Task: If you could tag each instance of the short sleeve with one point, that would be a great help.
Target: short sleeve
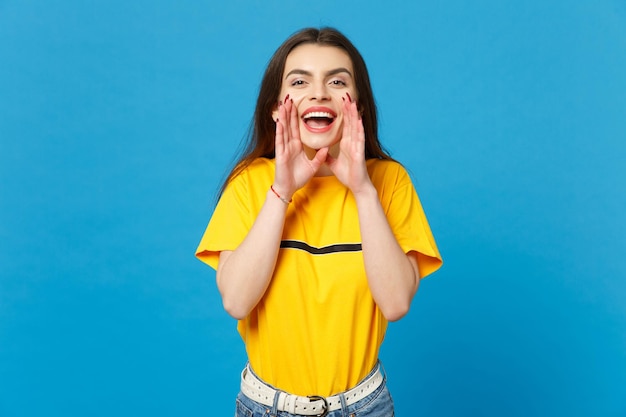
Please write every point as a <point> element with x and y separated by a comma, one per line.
<point>410,226</point>
<point>229,223</point>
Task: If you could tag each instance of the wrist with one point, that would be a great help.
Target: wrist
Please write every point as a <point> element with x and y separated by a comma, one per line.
<point>365,192</point>
<point>281,196</point>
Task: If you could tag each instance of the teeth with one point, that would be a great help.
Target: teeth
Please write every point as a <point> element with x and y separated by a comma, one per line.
<point>319,114</point>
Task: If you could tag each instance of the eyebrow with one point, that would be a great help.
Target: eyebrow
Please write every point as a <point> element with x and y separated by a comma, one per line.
<point>328,73</point>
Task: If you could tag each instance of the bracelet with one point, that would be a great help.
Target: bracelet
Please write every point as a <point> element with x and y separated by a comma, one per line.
<point>284,200</point>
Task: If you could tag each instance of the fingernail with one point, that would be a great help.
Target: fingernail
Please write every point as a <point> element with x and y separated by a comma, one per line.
<point>287,98</point>
<point>349,98</point>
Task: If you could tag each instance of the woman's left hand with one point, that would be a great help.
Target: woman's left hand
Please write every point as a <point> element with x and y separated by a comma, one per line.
<point>349,165</point>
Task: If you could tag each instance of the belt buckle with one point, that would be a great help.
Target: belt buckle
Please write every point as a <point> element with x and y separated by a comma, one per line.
<point>325,406</point>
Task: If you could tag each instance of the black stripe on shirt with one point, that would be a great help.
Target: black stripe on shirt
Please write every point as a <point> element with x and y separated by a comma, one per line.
<point>340,247</point>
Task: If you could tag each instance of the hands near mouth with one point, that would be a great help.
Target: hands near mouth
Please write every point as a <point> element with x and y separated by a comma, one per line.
<point>349,164</point>
<point>293,167</point>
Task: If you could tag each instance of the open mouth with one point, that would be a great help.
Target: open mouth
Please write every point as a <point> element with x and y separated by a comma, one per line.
<point>319,121</point>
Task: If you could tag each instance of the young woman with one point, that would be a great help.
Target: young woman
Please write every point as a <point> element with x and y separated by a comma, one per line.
<point>318,238</point>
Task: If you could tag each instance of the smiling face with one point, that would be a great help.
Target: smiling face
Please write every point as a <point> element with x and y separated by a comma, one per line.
<point>317,78</point>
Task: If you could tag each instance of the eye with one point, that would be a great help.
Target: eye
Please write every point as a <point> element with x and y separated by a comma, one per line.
<point>340,83</point>
<point>295,83</point>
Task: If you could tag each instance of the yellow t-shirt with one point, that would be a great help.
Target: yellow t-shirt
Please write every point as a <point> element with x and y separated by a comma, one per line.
<point>317,329</point>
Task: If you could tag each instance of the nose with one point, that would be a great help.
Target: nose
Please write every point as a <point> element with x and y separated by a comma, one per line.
<point>319,92</point>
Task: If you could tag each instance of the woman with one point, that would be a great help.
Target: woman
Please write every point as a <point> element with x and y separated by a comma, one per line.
<point>318,239</point>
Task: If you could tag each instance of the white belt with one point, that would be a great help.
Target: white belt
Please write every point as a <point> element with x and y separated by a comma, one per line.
<point>255,389</point>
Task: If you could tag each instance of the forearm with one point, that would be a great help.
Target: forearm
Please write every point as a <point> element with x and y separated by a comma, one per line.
<point>244,274</point>
<point>392,275</point>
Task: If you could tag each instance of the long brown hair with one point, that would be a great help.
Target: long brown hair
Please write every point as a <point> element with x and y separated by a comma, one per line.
<point>261,137</point>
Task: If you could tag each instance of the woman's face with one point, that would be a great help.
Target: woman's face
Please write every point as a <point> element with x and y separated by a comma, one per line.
<point>317,78</point>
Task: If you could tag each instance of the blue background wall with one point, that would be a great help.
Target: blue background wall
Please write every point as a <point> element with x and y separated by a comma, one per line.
<point>118,120</point>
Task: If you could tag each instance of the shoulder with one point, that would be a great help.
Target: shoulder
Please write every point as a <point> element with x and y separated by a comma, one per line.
<point>252,179</point>
<point>387,172</point>
<point>257,169</point>
<point>261,165</point>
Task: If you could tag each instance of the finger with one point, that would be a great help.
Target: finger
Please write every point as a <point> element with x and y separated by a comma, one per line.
<point>347,120</point>
<point>320,157</point>
<point>293,121</point>
<point>354,115</point>
<point>280,131</point>
<point>359,135</point>
<point>353,122</point>
<point>360,138</point>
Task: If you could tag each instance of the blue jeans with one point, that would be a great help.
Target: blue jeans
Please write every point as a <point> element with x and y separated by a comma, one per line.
<point>377,404</point>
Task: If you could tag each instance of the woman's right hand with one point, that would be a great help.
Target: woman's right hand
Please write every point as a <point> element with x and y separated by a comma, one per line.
<point>293,167</point>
